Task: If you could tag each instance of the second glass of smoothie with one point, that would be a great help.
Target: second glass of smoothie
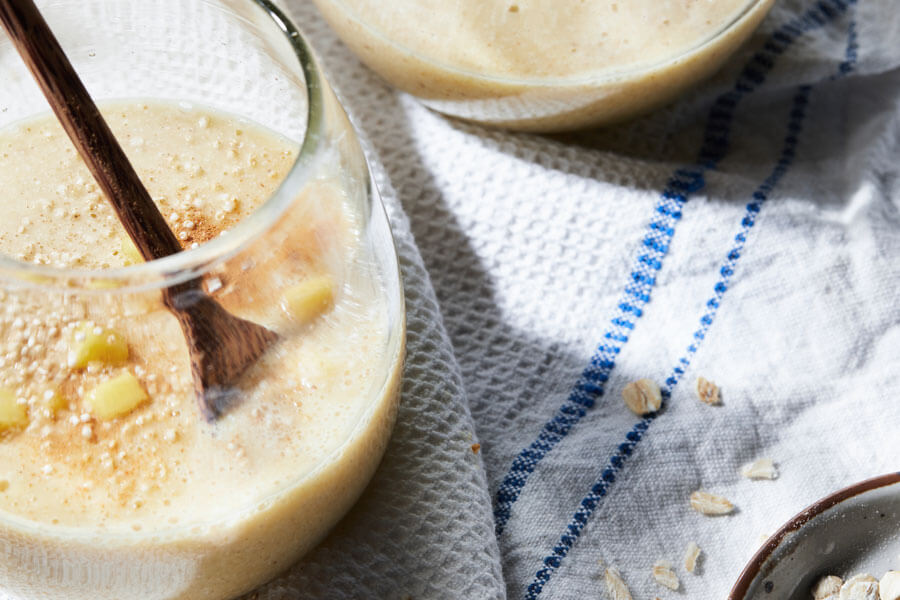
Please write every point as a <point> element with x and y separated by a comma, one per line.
<point>544,65</point>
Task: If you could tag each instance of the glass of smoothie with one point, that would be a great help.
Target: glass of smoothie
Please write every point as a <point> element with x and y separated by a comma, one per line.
<point>112,484</point>
<point>544,65</point>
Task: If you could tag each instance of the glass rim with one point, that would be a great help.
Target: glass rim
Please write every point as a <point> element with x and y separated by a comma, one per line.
<point>596,78</point>
<point>192,263</point>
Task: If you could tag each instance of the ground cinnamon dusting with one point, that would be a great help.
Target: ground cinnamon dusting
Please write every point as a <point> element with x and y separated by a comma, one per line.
<point>194,228</point>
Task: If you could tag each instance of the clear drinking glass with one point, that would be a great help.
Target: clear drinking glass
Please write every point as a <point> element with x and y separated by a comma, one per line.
<point>93,508</point>
<point>460,63</point>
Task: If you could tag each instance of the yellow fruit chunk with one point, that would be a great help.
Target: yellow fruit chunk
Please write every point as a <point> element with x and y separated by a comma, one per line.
<point>54,401</point>
<point>116,397</point>
<point>34,278</point>
<point>12,414</point>
<point>103,284</point>
<point>306,301</point>
<point>129,252</point>
<point>92,344</point>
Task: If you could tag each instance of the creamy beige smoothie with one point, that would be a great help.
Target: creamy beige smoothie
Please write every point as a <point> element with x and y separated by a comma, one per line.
<point>111,484</point>
<point>544,64</point>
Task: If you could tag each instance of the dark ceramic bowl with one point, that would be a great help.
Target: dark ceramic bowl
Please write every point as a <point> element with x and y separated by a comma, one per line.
<point>854,530</point>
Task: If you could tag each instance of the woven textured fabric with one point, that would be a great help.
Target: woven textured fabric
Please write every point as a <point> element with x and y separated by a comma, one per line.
<point>748,233</point>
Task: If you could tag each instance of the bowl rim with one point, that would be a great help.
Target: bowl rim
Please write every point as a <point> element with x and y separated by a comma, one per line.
<point>594,78</point>
<point>753,568</point>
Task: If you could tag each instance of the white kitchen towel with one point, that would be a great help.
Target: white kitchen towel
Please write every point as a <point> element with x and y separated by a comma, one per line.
<point>749,233</point>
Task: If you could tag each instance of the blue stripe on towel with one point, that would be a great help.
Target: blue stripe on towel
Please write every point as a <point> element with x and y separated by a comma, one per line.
<point>607,477</point>
<point>667,212</point>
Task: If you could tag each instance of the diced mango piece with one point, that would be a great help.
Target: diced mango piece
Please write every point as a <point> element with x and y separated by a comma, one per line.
<point>103,284</point>
<point>12,414</point>
<point>34,278</point>
<point>54,401</point>
<point>309,299</point>
<point>129,251</point>
<point>116,397</point>
<point>92,343</point>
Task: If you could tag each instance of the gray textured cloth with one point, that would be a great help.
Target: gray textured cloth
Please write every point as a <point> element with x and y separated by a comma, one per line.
<point>787,300</point>
<point>531,244</point>
<point>423,528</point>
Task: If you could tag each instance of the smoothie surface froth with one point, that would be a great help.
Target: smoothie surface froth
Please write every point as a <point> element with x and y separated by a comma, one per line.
<point>66,458</point>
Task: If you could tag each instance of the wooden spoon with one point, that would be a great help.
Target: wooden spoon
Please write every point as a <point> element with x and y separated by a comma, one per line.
<point>221,345</point>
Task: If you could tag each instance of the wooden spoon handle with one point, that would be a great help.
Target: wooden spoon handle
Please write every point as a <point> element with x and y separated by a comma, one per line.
<point>221,345</point>
<point>88,130</point>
